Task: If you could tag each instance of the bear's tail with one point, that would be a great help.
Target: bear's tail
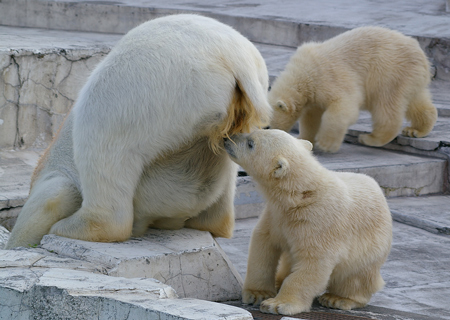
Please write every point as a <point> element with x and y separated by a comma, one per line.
<point>249,108</point>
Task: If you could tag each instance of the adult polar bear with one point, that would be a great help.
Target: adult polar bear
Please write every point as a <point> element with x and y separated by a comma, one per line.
<point>142,145</point>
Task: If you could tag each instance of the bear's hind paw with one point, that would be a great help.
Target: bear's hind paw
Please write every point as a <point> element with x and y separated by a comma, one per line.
<point>333,301</point>
<point>277,306</point>
<point>413,133</point>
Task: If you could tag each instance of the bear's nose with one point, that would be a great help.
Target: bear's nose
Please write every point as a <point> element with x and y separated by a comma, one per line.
<point>265,128</point>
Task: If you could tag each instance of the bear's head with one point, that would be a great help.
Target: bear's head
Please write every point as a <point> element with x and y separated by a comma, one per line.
<point>287,105</point>
<point>270,156</point>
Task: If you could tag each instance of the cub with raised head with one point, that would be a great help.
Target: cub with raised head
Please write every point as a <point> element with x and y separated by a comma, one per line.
<point>321,231</point>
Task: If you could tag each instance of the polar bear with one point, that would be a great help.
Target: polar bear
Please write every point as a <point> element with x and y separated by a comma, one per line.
<point>324,85</point>
<point>143,144</point>
<point>332,230</point>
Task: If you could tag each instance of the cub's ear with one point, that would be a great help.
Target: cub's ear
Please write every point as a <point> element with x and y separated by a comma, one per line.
<point>306,144</point>
<point>281,167</point>
<point>281,105</point>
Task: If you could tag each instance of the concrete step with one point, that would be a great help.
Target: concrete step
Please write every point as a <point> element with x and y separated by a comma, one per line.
<point>43,70</point>
<point>263,21</point>
<point>41,74</point>
<point>42,283</point>
<point>398,175</point>
<point>431,213</point>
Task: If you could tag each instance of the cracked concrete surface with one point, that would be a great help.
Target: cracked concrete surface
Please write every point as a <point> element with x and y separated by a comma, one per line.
<point>37,90</point>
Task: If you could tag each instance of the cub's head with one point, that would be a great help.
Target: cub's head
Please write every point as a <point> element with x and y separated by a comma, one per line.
<point>287,105</point>
<point>268,155</point>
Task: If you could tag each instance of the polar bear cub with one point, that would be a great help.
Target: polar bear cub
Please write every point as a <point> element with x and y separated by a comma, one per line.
<point>324,85</point>
<point>142,146</point>
<point>332,230</point>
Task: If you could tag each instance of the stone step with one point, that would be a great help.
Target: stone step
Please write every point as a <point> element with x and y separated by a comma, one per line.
<point>38,283</point>
<point>398,175</point>
<point>431,213</point>
<point>265,21</point>
<point>43,70</point>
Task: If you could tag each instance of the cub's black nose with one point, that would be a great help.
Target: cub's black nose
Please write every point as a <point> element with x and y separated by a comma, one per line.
<point>265,128</point>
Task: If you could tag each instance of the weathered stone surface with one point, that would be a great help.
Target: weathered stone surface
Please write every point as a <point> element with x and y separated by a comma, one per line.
<point>16,168</point>
<point>438,137</point>
<point>40,76</point>
<point>188,260</point>
<point>41,293</point>
<point>431,213</point>
<point>4,235</point>
<point>36,283</point>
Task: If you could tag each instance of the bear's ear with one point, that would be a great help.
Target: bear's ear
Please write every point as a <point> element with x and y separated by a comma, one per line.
<point>281,167</point>
<point>305,143</point>
<point>281,106</point>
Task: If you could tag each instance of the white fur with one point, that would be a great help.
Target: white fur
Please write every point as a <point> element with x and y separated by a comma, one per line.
<point>321,231</point>
<point>146,130</point>
<point>324,85</point>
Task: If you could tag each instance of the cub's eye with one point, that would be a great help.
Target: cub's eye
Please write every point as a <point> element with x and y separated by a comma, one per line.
<point>250,144</point>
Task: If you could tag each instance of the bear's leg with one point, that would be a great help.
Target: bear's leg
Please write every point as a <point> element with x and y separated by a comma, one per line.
<point>422,114</point>
<point>51,200</point>
<point>334,124</point>
<point>310,123</point>
<point>308,279</point>
<point>108,184</point>
<point>353,291</point>
<point>387,119</point>
<point>262,263</point>
<point>219,217</point>
<point>283,270</point>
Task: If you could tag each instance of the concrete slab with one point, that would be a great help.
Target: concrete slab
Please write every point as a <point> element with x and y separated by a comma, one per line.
<point>440,136</point>
<point>416,272</point>
<point>40,293</point>
<point>16,168</point>
<point>288,22</point>
<point>188,260</point>
<point>431,213</point>
<point>37,283</point>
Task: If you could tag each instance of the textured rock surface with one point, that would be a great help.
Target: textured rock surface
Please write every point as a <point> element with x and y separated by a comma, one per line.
<point>188,260</point>
<point>71,279</point>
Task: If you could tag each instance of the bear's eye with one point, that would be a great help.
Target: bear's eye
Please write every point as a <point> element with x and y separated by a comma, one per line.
<point>250,144</point>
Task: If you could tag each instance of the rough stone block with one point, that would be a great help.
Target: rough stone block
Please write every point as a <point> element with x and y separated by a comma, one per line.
<point>188,260</point>
<point>54,293</point>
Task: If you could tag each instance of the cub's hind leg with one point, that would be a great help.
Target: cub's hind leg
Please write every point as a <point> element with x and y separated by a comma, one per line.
<point>422,114</point>
<point>352,291</point>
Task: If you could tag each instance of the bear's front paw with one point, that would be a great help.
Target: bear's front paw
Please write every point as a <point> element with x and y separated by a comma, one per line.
<point>336,302</point>
<point>278,306</point>
<point>327,145</point>
<point>255,297</point>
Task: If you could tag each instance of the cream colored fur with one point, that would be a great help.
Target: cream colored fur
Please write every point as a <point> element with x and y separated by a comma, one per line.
<point>325,85</point>
<point>328,233</point>
<point>143,144</point>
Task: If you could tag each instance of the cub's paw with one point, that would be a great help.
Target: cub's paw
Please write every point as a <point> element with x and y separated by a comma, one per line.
<point>278,306</point>
<point>369,140</point>
<point>414,133</point>
<point>255,297</point>
<point>327,145</point>
<point>336,302</point>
